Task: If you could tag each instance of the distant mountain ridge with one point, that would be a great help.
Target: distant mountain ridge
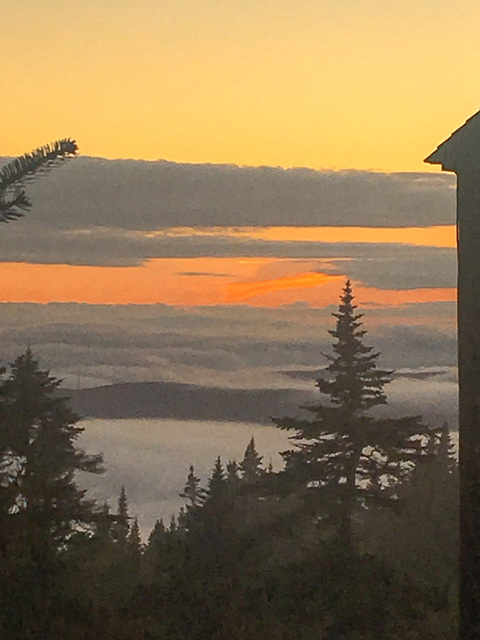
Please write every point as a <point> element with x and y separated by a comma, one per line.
<point>180,401</point>
<point>414,374</point>
<point>187,402</point>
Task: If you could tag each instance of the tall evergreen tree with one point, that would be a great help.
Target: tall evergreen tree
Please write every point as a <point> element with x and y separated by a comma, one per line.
<point>217,481</point>
<point>193,492</point>
<point>41,507</point>
<point>134,539</point>
<point>232,473</point>
<point>344,456</point>
<point>39,456</point>
<point>123,503</point>
<point>356,384</point>
<point>173,525</point>
<point>157,534</point>
<point>121,527</point>
<point>423,534</point>
<point>104,522</point>
<point>251,465</point>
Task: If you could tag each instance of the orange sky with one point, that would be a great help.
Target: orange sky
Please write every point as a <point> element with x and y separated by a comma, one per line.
<point>212,280</point>
<point>322,84</point>
<point>316,84</point>
<point>194,281</point>
<point>438,236</point>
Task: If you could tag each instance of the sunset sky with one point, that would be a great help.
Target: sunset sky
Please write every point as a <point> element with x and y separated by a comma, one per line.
<point>244,156</point>
<point>364,84</point>
<point>239,159</point>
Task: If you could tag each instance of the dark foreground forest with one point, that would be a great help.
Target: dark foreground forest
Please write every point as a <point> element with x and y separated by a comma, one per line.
<point>354,539</point>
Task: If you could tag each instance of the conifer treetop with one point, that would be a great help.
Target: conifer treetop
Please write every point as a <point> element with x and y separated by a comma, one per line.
<point>123,503</point>
<point>344,453</point>
<point>251,465</point>
<point>232,472</point>
<point>193,492</point>
<point>134,539</point>
<point>122,518</point>
<point>355,382</point>
<point>157,534</point>
<point>217,480</point>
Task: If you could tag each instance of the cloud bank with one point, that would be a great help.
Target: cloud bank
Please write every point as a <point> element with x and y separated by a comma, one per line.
<point>99,212</point>
<point>214,346</point>
<point>141,195</point>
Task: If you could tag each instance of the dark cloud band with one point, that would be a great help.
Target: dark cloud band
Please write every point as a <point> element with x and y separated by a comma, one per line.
<point>135,194</point>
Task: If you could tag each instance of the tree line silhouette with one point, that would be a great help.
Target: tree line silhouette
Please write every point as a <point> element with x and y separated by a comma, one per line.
<point>355,538</point>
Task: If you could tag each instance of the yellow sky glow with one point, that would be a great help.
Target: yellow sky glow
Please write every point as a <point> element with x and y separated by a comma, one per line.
<point>369,85</point>
<point>328,85</point>
<point>439,236</point>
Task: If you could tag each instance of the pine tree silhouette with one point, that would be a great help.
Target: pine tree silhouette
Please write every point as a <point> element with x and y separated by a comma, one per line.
<point>121,526</point>
<point>344,456</point>
<point>251,465</point>
<point>217,482</point>
<point>233,477</point>
<point>134,539</point>
<point>39,457</point>
<point>193,492</point>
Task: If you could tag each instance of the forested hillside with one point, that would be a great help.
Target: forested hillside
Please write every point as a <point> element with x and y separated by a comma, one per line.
<point>355,538</point>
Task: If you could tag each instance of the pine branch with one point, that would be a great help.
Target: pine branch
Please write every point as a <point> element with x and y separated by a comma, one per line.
<point>11,208</point>
<point>13,199</point>
<point>40,159</point>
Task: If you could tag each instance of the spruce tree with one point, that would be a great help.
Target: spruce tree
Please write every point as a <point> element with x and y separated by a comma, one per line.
<point>156,547</point>
<point>123,503</point>
<point>344,456</point>
<point>121,528</point>
<point>232,473</point>
<point>134,540</point>
<point>105,523</point>
<point>251,465</point>
<point>193,491</point>
<point>173,525</point>
<point>217,481</point>
<point>423,534</point>
<point>39,457</point>
<point>43,512</point>
<point>157,534</point>
<point>356,384</point>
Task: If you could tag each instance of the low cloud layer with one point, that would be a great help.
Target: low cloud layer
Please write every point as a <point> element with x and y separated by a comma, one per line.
<point>101,212</point>
<point>384,266</point>
<point>134,194</point>
<point>216,346</point>
<point>151,459</point>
